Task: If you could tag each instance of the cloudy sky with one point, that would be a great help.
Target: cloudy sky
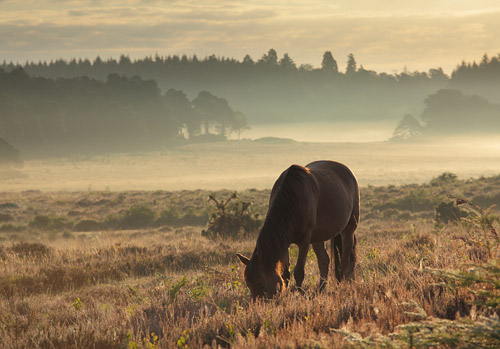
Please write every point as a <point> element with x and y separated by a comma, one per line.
<point>384,35</point>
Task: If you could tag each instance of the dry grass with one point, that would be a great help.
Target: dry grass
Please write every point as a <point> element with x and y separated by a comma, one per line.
<point>168,286</point>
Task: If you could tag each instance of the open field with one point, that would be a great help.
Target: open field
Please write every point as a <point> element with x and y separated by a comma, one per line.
<point>131,269</point>
<point>254,164</point>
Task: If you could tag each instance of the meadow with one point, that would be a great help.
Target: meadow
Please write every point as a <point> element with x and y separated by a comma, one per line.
<point>137,269</point>
<point>239,165</point>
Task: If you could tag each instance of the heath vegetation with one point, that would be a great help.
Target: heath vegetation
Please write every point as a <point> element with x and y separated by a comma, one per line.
<point>133,269</point>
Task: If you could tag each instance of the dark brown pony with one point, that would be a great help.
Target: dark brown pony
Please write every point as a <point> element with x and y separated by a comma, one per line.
<point>308,205</point>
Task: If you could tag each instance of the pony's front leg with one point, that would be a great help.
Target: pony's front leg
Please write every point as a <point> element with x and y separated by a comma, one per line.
<point>323,263</point>
<point>298,273</point>
<point>286,271</point>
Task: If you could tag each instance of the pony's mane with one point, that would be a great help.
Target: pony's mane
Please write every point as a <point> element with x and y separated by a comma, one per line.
<point>274,237</point>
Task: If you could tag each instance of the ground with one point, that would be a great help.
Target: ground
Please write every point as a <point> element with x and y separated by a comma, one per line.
<point>132,269</point>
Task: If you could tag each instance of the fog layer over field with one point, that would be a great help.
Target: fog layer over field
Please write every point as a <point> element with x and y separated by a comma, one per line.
<point>361,131</point>
<point>256,164</point>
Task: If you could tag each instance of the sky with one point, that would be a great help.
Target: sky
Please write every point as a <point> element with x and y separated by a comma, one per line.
<point>383,35</point>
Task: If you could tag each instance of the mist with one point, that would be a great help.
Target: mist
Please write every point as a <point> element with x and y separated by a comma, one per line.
<point>177,123</point>
<point>324,132</point>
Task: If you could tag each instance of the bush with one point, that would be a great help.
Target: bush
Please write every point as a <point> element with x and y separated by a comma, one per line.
<point>447,212</point>
<point>414,201</point>
<point>3,253</point>
<point>445,177</point>
<point>169,216</point>
<point>231,220</point>
<point>44,222</point>
<point>194,218</point>
<point>8,205</point>
<point>486,201</point>
<point>138,217</point>
<point>5,217</point>
<point>9,227</point>
<point>40,221</point>
<point>88,225</point>
<point>31,249</point>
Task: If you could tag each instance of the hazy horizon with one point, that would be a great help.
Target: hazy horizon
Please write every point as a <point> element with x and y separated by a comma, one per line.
<point>384,36</point>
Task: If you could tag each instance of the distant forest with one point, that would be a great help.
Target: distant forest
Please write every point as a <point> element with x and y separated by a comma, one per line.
<point>81,114</point>
<point>121,105</point>
<point>271,89</point>
<point>274,89</point>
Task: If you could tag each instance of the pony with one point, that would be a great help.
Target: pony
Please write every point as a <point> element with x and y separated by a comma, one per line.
<point>308,206</point>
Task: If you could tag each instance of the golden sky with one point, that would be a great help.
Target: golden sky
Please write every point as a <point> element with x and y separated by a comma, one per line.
<point>383,35</point>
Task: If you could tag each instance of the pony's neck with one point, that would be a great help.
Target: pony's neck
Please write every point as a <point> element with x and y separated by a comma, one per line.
<point>275,235</point>
<point>272,245</point>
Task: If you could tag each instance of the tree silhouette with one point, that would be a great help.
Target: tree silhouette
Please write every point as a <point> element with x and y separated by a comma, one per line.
<point>452,111</point>
<point>329,64</point>
<point>407,128</point>
<point>287,64</point>
<point>351,64</point>
<point>247,60</point>
<point>181,109</point>
<point>269,60</point>
<point>214,111</point>
<point>239,123</point>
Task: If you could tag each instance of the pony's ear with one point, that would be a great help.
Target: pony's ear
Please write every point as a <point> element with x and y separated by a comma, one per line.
<point>243,259</point>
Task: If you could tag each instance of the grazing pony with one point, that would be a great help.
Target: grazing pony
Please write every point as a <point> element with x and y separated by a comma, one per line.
<point>308,205</point>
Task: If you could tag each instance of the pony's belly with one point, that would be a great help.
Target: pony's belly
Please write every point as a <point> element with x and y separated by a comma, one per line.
<point>320,234</point>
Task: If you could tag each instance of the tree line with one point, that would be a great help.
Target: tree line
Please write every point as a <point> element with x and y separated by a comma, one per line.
<point>212,66</point>
<point>271,89</point>
<point>450,112</point>
<point>118,114</point>
<point>276,89</point>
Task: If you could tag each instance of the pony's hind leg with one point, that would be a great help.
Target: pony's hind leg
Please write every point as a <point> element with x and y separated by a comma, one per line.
<point>335,253</point>
<point>323,263</point>
<point>348,257</point>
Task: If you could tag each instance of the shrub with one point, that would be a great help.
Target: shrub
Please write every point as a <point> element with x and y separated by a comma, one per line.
<point>88,225</point>
<point>136,217</point>
<point>447,212</point>
<point>169,216</point>
<point>194,218</point>
<point>44,222</point>
<point>3,253</point>
<point>5,217</point>
<point>231,220</point>
<point>8,205</point>
<point>31,249</point>
<point>487,200</point>
<point>414,201</point>
<point>40,221</point>
<point>445,177</point>
<point>9,227</point>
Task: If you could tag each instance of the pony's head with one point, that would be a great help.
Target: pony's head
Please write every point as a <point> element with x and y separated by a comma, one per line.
<point>262,281</point>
